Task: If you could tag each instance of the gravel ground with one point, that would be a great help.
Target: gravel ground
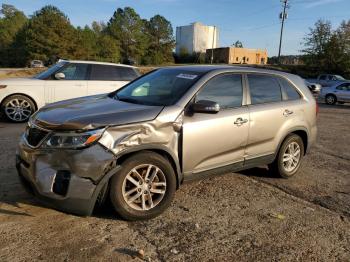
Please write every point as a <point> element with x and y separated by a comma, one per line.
<point>243,216</point>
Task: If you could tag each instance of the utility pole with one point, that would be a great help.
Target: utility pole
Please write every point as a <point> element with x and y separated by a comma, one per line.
<point>212,45</point>
<point>283,16</point>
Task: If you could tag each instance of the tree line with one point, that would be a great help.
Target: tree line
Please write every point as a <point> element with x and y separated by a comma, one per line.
<point>326,49</point>
<point>48,35</point>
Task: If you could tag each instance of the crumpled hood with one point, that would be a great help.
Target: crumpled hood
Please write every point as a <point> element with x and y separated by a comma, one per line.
<point>92,112</point>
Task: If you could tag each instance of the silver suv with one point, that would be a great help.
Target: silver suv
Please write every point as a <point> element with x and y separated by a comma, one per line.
<point>137,145</point>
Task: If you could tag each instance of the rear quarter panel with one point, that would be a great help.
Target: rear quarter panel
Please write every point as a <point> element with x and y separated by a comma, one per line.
<point>269,126</point>
<point>306,116</point>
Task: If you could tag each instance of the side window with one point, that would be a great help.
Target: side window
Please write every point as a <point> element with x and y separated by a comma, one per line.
<point>333,78</point>
<point>112,73</point>
<point>226,90</point>
<point>126,74</point>
<point>344,87</point>
<point>323,77</point>
<point>103,73</point>
<point>264,89</point>
<point>341,87</point>
<point>75,72</point>
<point>289,89</point>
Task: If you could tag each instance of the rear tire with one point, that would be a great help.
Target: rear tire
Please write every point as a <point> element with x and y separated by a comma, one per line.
<point>331,99</point>
<point>144,187</point>
<point>289,157</point>
<point>17,108</point>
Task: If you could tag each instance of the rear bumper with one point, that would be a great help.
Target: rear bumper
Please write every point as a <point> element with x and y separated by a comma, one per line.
<point>312,138</point>
<point>62,183</point>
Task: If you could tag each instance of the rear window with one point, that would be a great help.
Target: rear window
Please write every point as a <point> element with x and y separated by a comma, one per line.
<point>112,73</point>
<point>289,90</point>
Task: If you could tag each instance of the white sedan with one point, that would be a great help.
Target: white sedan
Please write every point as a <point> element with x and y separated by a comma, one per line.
<point>21,97</point>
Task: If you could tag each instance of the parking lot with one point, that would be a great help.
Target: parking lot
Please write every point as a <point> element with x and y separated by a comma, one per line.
<point>242,216</point>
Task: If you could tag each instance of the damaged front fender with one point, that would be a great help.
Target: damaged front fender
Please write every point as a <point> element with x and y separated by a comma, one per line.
<point>153,135</point>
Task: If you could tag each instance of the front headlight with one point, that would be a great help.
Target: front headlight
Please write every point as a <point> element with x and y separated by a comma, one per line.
<point>73,140</point>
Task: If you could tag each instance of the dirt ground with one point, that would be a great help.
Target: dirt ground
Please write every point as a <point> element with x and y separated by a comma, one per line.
<point>247,216</point>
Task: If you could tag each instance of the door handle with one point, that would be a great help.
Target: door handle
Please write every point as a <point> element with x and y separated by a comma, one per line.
<point>240,121</point>
<point>287,112</point>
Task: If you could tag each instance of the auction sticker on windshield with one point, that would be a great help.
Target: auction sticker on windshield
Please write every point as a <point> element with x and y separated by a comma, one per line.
<point>186,76</point>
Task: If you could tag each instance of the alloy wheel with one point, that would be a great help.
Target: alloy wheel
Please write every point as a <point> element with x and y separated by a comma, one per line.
<point>18,109</point>
<point>330,100</point>
<point>144,187</point>
<point>291,157</point>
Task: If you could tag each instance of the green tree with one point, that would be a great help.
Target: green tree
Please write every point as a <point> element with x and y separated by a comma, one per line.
<point>11,21</point>
<point>316,41</point>
<point>127,28</point>
<point>95,44</point>
<point>328,50</point>
<point>238,44</point>
<point>160,40</point>
<point>108,49</point>
<point>87,41</point>
<point>185,57</point>
<point>343,36</point>
<point>48,35</point>
<point>98,27</point>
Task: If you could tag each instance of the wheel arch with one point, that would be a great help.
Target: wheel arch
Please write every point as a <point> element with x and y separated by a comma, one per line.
<point>304,136</point>
<point>158,149</point>
<point>21,94</point>
<point>301,132</point>
<point>331,94</point>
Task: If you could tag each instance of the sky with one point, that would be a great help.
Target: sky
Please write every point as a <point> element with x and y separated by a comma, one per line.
<point>253,22</point>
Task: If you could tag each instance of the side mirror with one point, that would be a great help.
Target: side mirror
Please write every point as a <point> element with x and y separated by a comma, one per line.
<point>60,76</point>
<point>206,106</point>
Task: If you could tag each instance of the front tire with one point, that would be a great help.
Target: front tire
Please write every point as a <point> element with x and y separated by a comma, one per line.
<point>331,99</point>
<point>144,187</point>
<point>17,108</point>
<point>289,157</point>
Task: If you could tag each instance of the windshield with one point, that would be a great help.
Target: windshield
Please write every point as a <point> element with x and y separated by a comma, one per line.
<point>162,87</point>
<point>46,74</point>
<point>338,77</point>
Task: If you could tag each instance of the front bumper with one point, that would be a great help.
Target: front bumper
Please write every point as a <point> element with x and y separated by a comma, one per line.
<point>68,180</point>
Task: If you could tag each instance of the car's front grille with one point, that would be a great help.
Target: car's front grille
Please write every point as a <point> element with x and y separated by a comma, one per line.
<point>35,135</point>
